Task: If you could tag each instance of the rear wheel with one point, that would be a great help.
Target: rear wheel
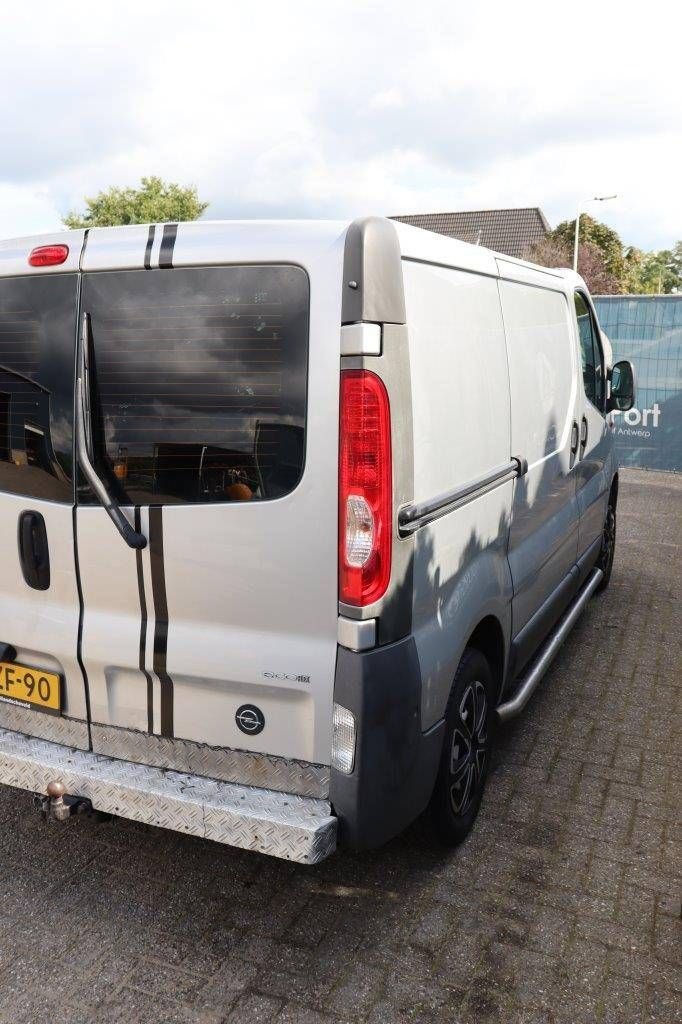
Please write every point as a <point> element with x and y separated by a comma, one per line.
<point>608,546</point>
<point>466,749</point>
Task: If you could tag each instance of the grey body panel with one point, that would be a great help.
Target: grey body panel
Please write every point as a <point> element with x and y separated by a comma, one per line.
<point>372,273</point>
<point>448,610</point>
<point>543,539</point>
<point>594,478</point>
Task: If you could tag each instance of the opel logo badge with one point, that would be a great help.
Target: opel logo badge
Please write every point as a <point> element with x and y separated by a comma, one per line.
<point>250,719</point>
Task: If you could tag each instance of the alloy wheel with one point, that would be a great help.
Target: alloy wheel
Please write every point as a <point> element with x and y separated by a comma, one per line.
<point>469,750</point>
<point>608,539</point>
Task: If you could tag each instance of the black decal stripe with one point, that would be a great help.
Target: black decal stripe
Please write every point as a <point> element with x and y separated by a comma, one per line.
<point>85,243</point>
<point>143,628</point>
<point>148,250</point>
<point>161,613</point>
<point>74,517</point>
<point>170,233</point>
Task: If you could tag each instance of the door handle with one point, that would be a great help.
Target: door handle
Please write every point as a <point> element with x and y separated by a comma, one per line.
<point>575,437</point>
<point>583,436</point>
<point>34,552</point>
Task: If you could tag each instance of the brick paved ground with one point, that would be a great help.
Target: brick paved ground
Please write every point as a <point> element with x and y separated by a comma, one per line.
<point>564,906</point>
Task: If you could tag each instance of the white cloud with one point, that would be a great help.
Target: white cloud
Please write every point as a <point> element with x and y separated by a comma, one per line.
<point>26,211</point>
<point>343,108</point>
<point>387,99</point>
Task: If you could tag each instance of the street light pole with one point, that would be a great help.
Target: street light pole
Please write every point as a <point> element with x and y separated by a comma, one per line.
<point>594,199</point>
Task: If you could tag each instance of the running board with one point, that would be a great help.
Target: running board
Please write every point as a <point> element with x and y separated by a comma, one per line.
<point>529,682</point>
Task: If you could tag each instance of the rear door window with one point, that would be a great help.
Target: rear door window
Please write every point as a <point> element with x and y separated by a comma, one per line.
<point>37,344</point>
<point>199,381</point>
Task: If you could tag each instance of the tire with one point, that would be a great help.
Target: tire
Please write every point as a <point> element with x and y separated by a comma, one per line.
<point>466,752</point>
<point>608,546</point>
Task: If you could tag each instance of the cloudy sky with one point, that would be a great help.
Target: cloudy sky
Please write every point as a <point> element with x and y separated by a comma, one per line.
<point>326,108</point>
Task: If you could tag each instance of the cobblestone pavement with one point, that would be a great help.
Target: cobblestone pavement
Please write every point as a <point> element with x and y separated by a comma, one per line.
<point>564,905</point>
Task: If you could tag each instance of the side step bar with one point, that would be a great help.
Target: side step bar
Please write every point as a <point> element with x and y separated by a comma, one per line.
<point>529,682</point>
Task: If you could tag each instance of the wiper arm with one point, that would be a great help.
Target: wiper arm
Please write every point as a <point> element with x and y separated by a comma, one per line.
<point>83,431</point>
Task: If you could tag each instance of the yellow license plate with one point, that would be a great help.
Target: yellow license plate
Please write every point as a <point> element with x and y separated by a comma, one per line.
<point>30,687</point>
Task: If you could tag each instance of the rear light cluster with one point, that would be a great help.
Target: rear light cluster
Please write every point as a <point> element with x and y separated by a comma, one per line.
<point>48,255</point>
<point>365,488</point>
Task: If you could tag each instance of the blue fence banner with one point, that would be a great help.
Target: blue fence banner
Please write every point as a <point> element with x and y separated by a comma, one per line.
<point>647,330</point>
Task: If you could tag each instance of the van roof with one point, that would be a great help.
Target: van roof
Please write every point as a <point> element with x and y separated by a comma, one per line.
<point>415,243</point>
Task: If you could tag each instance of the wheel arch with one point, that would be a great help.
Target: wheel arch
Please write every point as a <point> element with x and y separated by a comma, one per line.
<point>613,494</point>
<point>488,638</point>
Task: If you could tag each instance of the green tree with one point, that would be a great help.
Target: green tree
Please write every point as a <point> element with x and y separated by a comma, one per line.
<point>654,273</point>
<point>595,233</point>
<point>662,272</point>
<point>155,201</point>
<point>634,262</point>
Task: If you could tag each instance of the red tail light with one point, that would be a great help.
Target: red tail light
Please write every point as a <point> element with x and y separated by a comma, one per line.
<point>365,488</point>
<point>48,255</point>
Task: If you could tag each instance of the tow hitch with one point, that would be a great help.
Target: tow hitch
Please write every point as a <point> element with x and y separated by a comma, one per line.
<point>58,805</point>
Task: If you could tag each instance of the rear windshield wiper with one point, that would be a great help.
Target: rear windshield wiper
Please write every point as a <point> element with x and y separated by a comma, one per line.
<point>84,440</point>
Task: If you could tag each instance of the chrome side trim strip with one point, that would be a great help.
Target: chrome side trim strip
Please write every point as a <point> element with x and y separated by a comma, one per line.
<point>244,767</point>
<point>283,825</point>
<point>547,653</point>
<point>412,517</point>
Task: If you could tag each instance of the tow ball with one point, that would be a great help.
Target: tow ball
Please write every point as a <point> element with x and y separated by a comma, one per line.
<point>58,805</point>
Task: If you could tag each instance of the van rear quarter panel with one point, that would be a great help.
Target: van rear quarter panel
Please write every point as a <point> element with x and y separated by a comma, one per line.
<point>461,423</point>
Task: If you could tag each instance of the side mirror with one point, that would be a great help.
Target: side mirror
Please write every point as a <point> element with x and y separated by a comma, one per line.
<point>622,395</point>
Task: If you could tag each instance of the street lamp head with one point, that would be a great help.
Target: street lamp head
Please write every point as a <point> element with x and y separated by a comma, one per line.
<point>594,199</point>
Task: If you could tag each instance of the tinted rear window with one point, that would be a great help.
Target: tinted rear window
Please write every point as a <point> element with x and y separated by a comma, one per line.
<point>199,382</point>
<point>37,349</point>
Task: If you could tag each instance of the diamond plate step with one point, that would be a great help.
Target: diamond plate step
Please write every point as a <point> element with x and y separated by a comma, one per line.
<point>279,824</point>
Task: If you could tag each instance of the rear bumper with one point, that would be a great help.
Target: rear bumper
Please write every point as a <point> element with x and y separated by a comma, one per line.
<point>292,827</point>
<point>395,762</point>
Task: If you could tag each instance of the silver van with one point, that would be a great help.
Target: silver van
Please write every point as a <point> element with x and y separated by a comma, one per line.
<point>291,515</point>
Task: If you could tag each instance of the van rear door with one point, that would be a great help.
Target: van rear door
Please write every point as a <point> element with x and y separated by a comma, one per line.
<point>42,689</point>
<point>214,404</point>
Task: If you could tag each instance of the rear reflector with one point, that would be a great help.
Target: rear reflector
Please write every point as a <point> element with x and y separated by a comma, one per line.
<point>343,739</point>
<point>48,255</point>
<point>365,488</point>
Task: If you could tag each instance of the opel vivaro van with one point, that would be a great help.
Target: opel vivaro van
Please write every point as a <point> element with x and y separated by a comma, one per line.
<point>291,514</point>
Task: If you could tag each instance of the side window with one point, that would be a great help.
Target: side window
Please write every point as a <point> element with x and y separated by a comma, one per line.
<point>37,340</point>
<point>199,381</point>
<point>591,353</point>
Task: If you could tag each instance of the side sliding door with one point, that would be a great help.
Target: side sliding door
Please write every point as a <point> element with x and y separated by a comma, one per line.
<point>544,401</point>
